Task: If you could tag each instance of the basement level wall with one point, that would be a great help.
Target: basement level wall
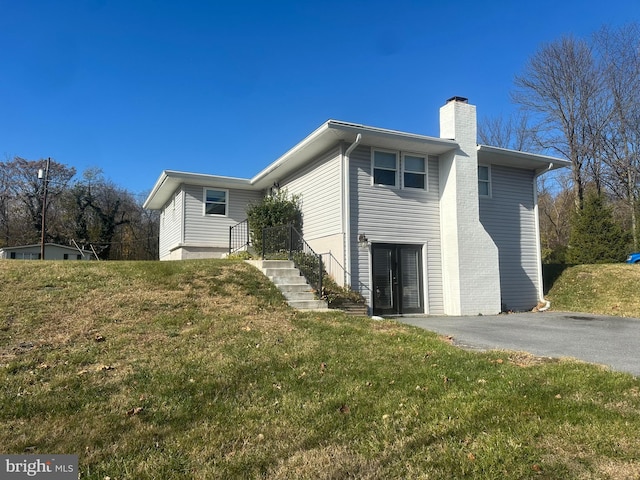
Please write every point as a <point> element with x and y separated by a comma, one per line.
<point>512,204</point>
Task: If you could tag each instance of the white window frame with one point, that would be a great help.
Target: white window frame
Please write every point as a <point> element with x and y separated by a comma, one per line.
<point>425,173</point>
<point>204,202</point>
<point>488,181</point>
<point>373,168</point>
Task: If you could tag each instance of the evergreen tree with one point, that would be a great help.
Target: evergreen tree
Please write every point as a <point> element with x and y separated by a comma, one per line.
<point>595,236</point>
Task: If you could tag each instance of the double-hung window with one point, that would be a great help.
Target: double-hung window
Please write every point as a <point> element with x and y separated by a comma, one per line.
<point>410,172</point>
<point>385,168</point>
<point>484,181</point>
<point>415,171</point>
<point>215,201</point>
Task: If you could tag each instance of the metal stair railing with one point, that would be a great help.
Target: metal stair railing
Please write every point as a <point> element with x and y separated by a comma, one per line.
<point>239,238</point>
<point>332,267</point>
<point>286,242</point>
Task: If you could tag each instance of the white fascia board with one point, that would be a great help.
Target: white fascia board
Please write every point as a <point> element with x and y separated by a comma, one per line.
<point>394,138</point>
<point>518,159</point>
<point>170,180</point>
<point>334,131</point>
<point>292,158</point>
<point>318,141</point>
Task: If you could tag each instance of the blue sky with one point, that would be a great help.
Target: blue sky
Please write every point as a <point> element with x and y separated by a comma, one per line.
<point>135,86</point>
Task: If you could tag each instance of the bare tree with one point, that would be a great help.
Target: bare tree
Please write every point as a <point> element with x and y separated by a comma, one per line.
<point>138,239</point>
<point>5,199</point>
<point>92,211</point>
<point>561,88</point>
<point>25,190</point>
<point>556,205</point>
<point>620,55</point>
<point>515,132</point>
<point>98,210</point>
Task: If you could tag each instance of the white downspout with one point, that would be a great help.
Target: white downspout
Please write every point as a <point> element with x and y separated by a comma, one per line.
<point>347,210</point>
<point>541,298</point>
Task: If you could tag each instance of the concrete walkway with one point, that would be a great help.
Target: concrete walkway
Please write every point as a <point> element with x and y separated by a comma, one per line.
<point>610,341</point>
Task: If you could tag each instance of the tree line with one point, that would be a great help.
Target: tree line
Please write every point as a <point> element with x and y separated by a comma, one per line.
<point>91,211</point>
<point>579,99</point>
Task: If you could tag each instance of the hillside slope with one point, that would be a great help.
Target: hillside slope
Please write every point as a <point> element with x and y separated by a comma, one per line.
<point>611,289</point>
<point>199,370</point>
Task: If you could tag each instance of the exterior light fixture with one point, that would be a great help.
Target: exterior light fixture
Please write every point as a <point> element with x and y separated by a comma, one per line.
<point>363,241</point>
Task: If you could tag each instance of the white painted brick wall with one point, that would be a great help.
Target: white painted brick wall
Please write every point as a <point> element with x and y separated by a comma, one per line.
<point>470,258</point>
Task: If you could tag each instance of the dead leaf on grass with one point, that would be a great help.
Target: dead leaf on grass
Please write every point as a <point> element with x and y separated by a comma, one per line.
<point>135,411</point>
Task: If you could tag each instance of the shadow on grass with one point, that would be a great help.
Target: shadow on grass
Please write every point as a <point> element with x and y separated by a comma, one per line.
<point>550,273</point>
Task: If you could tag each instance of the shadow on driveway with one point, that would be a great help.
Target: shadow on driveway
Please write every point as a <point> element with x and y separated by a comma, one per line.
<point>605,340</point>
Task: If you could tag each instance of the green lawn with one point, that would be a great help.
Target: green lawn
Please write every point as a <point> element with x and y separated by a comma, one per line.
<point>608,289</point>
<point>197,369</point>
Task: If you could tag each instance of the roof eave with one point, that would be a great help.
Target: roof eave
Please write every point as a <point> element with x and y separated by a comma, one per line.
<point>170,180</point>
<point>333,131</point>
<point>519,159</point>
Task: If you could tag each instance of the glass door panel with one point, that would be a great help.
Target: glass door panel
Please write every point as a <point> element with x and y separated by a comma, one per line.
<point>397,279</point>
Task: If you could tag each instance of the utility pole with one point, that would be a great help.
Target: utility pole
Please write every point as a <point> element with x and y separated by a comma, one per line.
<point>44,175</point>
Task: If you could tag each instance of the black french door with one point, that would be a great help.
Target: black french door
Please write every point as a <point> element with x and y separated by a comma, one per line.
<point>397,279</point>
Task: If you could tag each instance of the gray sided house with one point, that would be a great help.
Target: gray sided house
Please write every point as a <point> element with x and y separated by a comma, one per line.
<point>417,224</point>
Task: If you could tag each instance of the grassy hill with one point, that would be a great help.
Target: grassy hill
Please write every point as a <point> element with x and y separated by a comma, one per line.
<point>198,369</point>
<point>607,289</point>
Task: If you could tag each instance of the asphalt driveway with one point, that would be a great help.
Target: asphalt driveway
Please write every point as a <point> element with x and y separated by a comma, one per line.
<point>610,341</point>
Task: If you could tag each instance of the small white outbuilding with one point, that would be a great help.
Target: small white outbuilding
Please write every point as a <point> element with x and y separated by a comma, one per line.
<point>53,251</point>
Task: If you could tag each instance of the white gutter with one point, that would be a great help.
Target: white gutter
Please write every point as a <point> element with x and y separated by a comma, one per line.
<point>541,298</point>
<point>346,208</point>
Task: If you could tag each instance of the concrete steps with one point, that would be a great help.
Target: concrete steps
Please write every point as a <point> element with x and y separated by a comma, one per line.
<point>293,286</point>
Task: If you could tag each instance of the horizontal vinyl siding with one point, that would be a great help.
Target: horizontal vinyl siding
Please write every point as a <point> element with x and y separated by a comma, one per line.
<point>509,217</point>
<point>171,224</point>
<point>319,187</point>
<point>211,230</point>
<point>400,216</point>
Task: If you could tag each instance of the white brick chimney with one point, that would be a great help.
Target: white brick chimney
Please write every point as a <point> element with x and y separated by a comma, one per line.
<point>469,255</point>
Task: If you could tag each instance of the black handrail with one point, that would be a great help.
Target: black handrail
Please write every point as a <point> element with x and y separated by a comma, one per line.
<point>239,237</point>
<point>285,241</point>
